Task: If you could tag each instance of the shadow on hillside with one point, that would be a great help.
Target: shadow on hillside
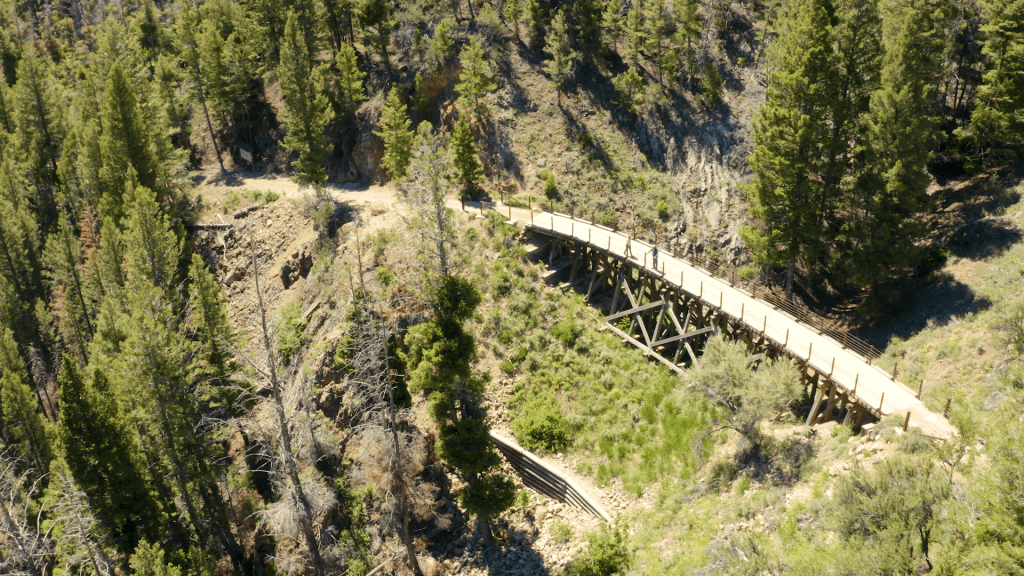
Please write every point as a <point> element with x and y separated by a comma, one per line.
<point>226,178</point>
<point>660,131</point>
<point>940,303</point>
<point>982,239</point>
<point>578,132</point>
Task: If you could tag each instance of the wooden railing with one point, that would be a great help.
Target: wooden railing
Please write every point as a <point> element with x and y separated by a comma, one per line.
<point>757,288</point>
<point>762,291</point>
<point>536,474</point>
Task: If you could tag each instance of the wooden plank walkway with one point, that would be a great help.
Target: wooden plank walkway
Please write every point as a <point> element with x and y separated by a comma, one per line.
<point>871,386</point>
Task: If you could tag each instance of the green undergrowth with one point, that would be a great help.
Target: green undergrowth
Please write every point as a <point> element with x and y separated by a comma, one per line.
<point>579,388</point>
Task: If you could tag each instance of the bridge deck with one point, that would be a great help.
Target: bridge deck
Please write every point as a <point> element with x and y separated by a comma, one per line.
<point>870,385</point>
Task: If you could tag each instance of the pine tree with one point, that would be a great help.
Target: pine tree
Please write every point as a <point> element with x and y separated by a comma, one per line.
<point>350,78</point>
<point>880,227</point>
<point>465,152</point>
<point>124,144</point>
<point>474,80</point>
<point>628,85</point>
<point>18,262</point>
<point>656,30</point>
<point>102,454</point>
<point>997,121</point>
<point>534,17</point>
<point>377,19</point>
<point>687,35</point>
<point>513,11</point>
<point>212,328</point>
<point>562,55</point>
<point>857,40</point>
<point>189,31</point>
<point>40,131</point>
<point>25,424</point>
<point>611,22</point>
<point>711,84</point>
<point>441,45</point>
<point>394,129</point>
<point>62,258</point>
<point>337,15</point>
<point>792,140</point>
<point>308,110</point>
<point>440,356</point>
<point>635,37</point>
<point>151,249</point>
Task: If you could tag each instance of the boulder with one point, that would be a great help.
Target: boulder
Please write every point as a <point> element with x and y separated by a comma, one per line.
<point>369,149</point>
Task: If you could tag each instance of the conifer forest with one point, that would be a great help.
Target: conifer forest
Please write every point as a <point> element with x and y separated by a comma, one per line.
<point>271,299</point>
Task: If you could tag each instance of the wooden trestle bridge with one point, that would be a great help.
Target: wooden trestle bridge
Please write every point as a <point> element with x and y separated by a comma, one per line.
<point>676,306</point>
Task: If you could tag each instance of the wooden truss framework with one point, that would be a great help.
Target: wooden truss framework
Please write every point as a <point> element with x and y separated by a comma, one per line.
<point>671,325</point>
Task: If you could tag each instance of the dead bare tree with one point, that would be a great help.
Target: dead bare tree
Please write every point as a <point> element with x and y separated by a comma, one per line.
<point>24,551</point>
<point>78,535</point>
<point>390,456</point>
<point>295,513</point>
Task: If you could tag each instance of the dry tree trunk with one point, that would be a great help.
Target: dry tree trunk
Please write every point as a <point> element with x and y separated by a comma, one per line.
<point>372,363</point>
<point>287,454</point>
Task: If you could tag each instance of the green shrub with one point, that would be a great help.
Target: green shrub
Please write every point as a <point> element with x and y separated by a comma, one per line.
<point>742,485</point>
<point>290,331</point>
<point>385,276</point>
<point>748,272</point>
<point>231,201</point>
<point>722,473</point>
<point>270,196</point>
<point>607,553</point>
<point>567,330</point>
<point>913,443</point>
<point>550,187</point>
<point>561,532</point>
<point>662,209</point>
<point>539,424</point>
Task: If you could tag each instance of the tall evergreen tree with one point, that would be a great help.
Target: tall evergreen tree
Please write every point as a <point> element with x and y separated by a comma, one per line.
<point>562,55</point>
<point>104,458</point>
<point>40,131</point>
<point>308,110</point>
<point>611,22</point>
<point>189,32</point>
<point>62,259</point>
<point>513,12</point>
<point>534,16</point>
<point>377,19</point>
<point>687,37</point>
<point>440,357</point>
<point>212,328</point>
<point>636,39</point>
<point>25,424</point>
<point>18,246</point>
<point>464,153</point>
<point>998,120</point>
<point>441,45</point>
<point>394,129</point>
<point>124,144</point>
<point>792,140</point>
<point>350,78</point>
<point>890,190</point>
<point>656,30</point>
<point>474,80</point>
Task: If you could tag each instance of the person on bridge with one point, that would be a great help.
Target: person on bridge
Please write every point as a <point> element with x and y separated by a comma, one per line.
<point>654,255</point>
<point>629,247</point>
